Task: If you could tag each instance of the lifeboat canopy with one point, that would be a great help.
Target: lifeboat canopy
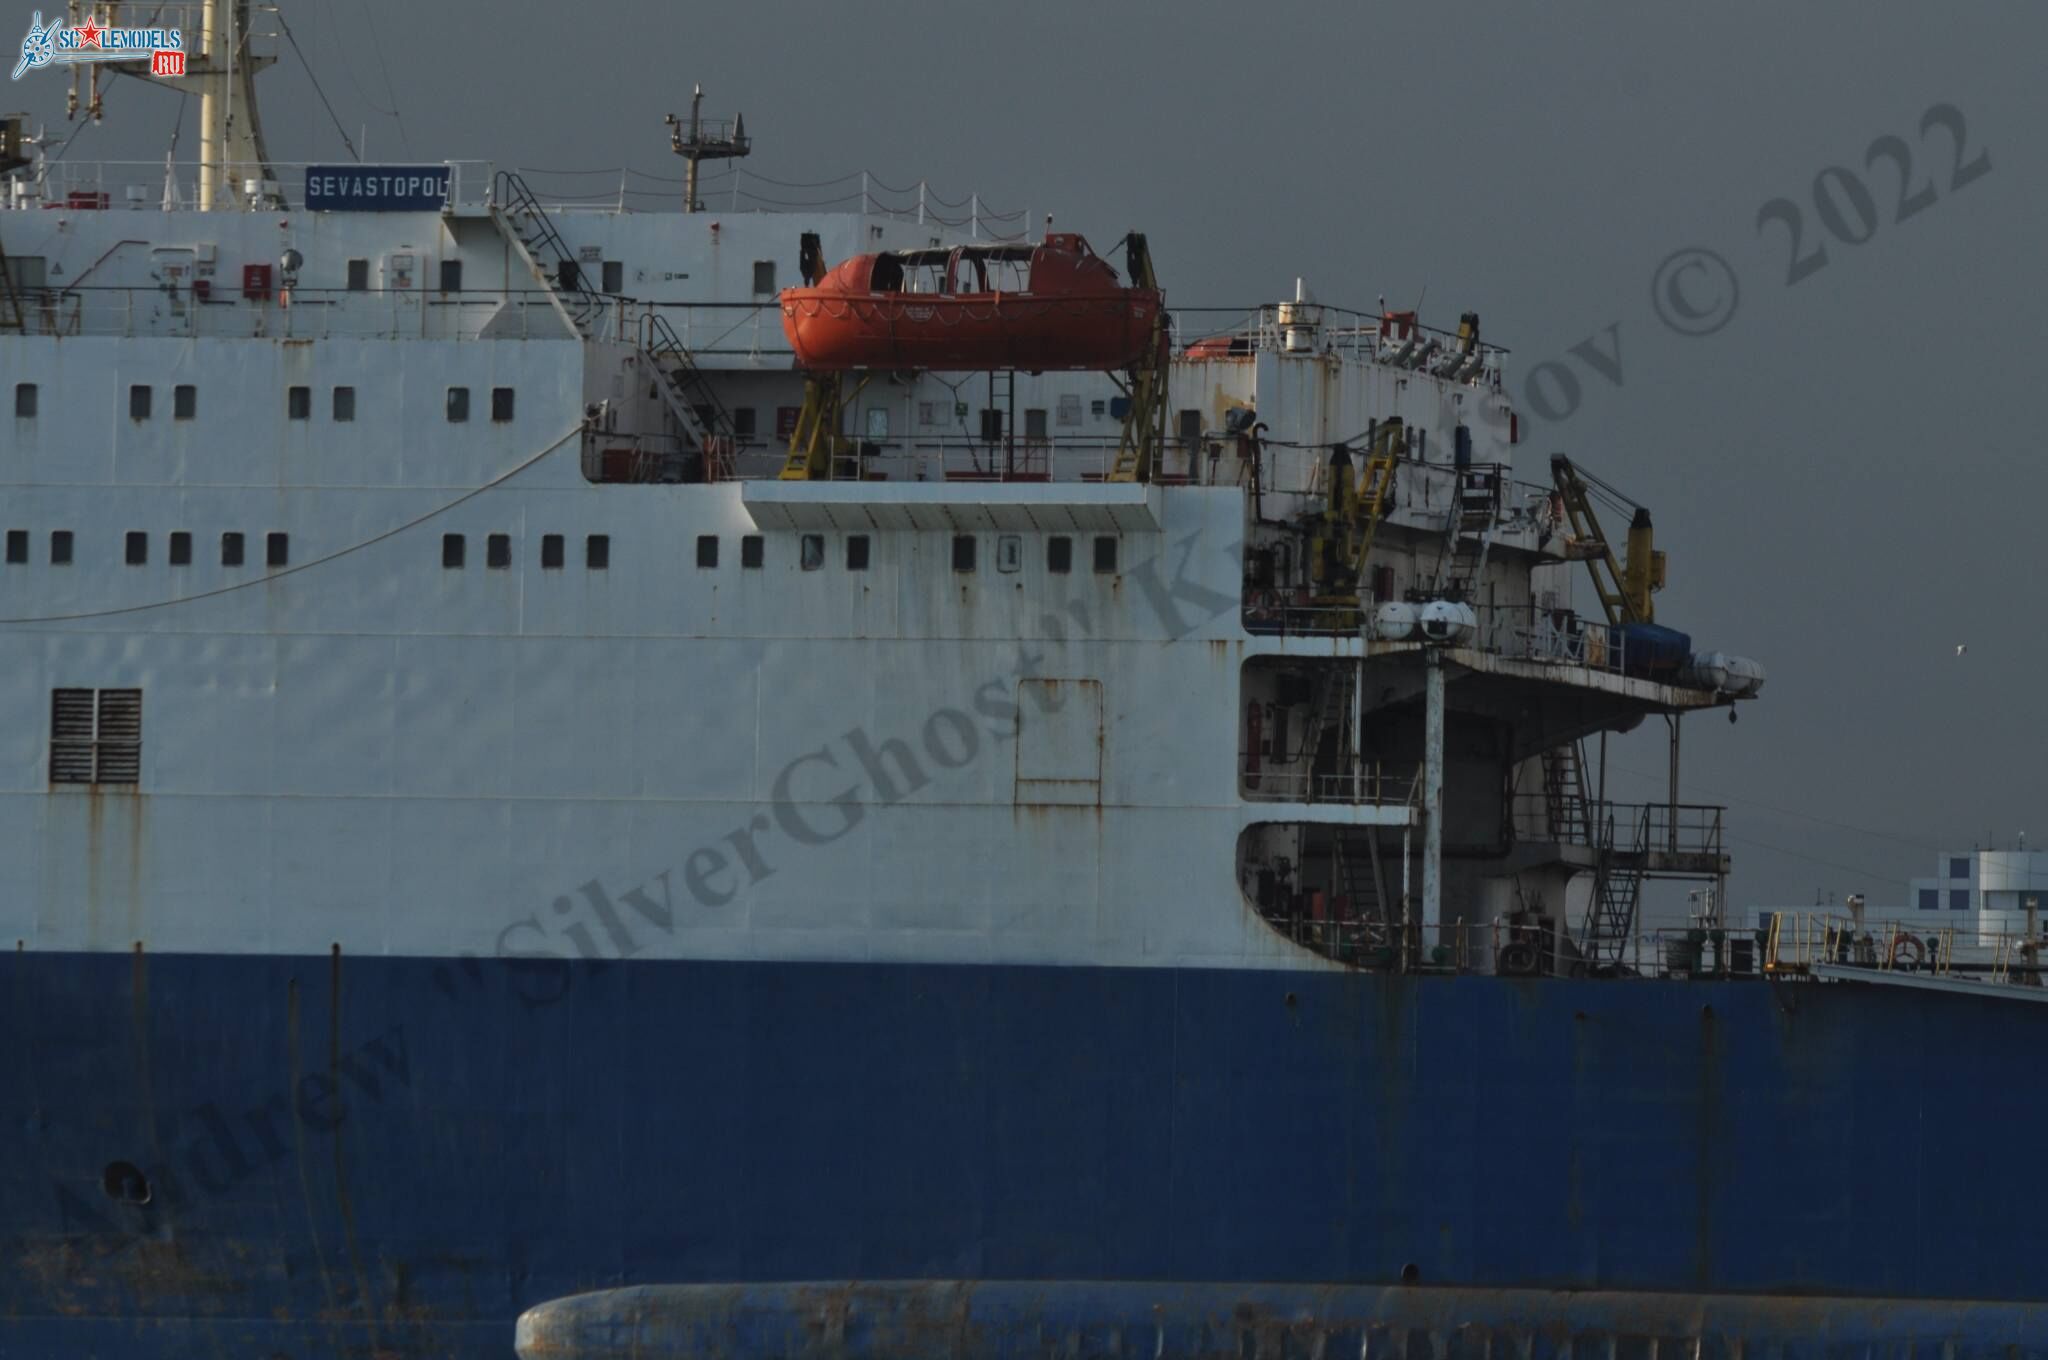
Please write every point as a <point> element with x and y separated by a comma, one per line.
<point>1052,305</point>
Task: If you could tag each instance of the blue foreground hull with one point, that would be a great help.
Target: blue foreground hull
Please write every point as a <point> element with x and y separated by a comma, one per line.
<point>209,1155</point>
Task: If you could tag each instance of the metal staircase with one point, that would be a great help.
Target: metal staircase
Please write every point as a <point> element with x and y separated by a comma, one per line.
<point>1333,716</point>
<point>1376,491</point>
<point>1617,893</point>
<point>1475,510</point>
<point>700,417</point>
<point>11,318</point>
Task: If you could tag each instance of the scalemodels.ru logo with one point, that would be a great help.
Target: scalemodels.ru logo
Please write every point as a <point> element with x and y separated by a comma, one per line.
<point>56,44</point>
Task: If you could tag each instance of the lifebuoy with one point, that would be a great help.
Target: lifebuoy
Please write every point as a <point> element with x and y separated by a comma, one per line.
<point>1907,952</point>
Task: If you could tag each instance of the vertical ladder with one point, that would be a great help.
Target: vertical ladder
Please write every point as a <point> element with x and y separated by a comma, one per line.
<point>11,317</point>
<point>1333,714</point>
<point>1376,491</point>
<point>1565,799</point>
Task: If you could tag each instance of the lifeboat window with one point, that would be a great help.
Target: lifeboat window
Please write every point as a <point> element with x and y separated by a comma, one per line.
<point>498,551</point>
<point>181,549</point>
<point>887,275</point>
<point>753,552</point>
<point>231,549</point>
<point>811,552</point>
<point>707,552</point>
<point>1059,554</point>
<point>963,552</point>
<point>451,551</point>
<point>551,552</point>
<point>1105,554</point>
<point>597,552</point>
<point>764,276</point>
<point>17,547</point>
<point>857,552</point>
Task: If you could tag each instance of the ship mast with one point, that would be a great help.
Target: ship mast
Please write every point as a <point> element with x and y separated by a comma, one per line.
<point>221,70</point>
<point>714,141</point>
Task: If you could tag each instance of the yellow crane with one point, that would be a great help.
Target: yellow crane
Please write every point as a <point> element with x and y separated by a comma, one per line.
<point>1624,586</point>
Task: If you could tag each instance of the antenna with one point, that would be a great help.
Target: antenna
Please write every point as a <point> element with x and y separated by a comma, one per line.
<point>719,140</point>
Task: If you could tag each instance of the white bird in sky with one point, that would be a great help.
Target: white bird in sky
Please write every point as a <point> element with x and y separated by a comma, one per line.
<point>1962,647</point>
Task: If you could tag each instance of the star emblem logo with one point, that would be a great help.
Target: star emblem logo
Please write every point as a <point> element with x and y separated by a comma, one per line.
<point>89,36</point>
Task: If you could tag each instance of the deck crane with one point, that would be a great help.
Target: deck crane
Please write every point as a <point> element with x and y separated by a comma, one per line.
<point>1624,587</point>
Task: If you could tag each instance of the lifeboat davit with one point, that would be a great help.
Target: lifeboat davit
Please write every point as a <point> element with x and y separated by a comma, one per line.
<point>1054,305</point>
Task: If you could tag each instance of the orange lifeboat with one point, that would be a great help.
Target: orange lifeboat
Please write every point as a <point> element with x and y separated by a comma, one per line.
<point>1055,305</point>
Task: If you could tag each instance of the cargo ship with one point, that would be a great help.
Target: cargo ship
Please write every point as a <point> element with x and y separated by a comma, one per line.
<point>536,818</point>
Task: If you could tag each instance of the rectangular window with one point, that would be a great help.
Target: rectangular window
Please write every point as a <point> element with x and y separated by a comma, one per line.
<point>231,549</point>
<point>1958,867</point>
<point>1930,899</point>
<point>878,423</point>
<point>458,405</point>
<point>358,276</point>
<point>138,402</point>
<point>25,400</point>
<point>743,421</point>
<point>501,404</point>
<point>551,552</point>
<point>136,552</point>
<point>95,736</point>
<point>707,551</point>
<point>344,404</point>
<point>811,552</point>
<point>614,277</point>
<point>298,403</point>
<point>277,549</point>
<point>184,401</point>
<point>1059,554</point>
<point>1034,422</point>
<point>60,547</point>
<point>1105,554</point>
<point>991,426</point>
<point>764,276</point>
<point>17,547</point>
<point>498,551</point>
<point>597,552</point>
<point>181,549</point>
<point>453,547</point>
<point>857,552</point>
<point>451,276</point>
<point>963,552</point>
<point>1958,899</point>
<point>753,552</point>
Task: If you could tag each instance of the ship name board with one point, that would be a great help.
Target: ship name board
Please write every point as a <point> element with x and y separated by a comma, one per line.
<point>376,188</point>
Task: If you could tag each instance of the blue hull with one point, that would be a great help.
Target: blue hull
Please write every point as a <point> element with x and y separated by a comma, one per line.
<point>379,1156</point>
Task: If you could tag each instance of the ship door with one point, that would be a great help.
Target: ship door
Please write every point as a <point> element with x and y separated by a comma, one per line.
<point>1059,743</point>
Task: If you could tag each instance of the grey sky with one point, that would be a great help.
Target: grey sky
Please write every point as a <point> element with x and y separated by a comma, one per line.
<point>1846,476</point>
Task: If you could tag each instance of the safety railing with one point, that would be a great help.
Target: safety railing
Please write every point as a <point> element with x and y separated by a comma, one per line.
<point>1508,947</point>
<point>1798,942</point>
<point>225,311</point>
<point>1265,782</point>
<point>148,186</point>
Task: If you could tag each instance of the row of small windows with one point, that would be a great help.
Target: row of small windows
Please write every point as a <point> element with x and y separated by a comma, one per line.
<point>1059,552</point>
<point>1958,898</point>
<point>298,402</point>
<point>597,551</point>
<point>277,548</point>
